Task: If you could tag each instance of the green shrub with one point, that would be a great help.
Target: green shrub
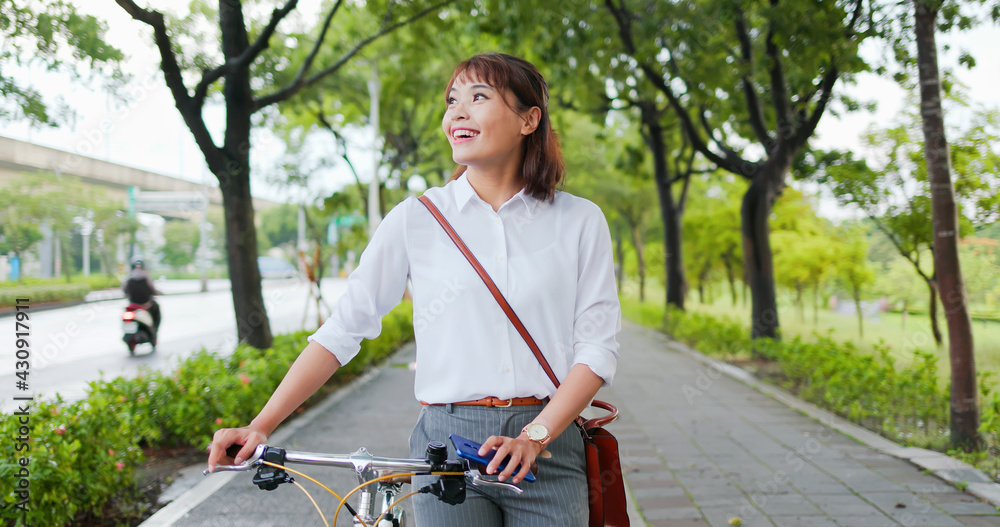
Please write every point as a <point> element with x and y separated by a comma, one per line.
<point>85,454</point>
<point>80,456</point>
<point>43,293</point>
<point>101,281</point>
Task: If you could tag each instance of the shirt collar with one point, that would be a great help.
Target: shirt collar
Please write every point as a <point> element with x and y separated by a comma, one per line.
<point>464,193</point>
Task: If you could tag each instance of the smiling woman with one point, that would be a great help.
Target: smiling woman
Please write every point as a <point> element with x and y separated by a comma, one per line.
<point>508,98</point>
<point>549,254</point>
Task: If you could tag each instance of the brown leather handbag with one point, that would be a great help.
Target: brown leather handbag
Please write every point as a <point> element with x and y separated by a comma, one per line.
<point>604,470</point>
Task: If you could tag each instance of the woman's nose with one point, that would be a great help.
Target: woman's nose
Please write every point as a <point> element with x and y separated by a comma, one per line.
<point>457,112</point>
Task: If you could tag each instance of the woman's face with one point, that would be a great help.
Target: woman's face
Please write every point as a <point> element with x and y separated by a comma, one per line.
<point>482,129</point>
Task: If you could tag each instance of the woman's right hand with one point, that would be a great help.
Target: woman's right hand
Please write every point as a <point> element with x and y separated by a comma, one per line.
<point>224,438</point>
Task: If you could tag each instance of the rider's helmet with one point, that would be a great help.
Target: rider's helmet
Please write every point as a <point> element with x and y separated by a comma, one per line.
<point>137,263</point>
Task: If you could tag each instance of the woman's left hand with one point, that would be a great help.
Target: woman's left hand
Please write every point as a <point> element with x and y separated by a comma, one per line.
<point>522,452</point>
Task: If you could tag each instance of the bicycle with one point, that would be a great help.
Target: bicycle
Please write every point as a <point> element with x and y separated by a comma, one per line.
<point>390,474</point>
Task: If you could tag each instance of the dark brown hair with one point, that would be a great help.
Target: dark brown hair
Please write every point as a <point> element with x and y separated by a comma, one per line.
<point>542,169</point>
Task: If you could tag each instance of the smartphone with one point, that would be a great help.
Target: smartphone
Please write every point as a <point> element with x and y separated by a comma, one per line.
<point>468,449</point>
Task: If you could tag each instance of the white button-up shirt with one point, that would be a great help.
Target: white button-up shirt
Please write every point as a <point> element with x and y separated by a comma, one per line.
<point>552,261</point>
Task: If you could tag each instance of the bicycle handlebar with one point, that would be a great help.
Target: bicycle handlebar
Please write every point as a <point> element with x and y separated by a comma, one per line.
<point>365,465</point>
<point>450,488</point>
<point>360,461</point>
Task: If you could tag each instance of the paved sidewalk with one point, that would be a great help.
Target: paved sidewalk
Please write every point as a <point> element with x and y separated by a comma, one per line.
<point>699,449</point>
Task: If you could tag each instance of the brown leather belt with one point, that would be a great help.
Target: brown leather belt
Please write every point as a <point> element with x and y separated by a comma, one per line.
<point>493,402</point>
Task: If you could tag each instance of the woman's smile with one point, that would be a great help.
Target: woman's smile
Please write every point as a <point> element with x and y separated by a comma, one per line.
<point>463,135</point>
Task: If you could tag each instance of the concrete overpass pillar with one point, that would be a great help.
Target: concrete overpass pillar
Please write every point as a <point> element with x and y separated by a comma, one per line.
<point>45,251</point>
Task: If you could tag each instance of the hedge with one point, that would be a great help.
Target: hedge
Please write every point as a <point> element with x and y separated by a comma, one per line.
<point>40,294</point>
<point>906,404</point>
<point>84,454</point>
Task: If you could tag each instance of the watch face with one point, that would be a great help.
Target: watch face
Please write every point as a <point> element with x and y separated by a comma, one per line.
<point>537,432</point>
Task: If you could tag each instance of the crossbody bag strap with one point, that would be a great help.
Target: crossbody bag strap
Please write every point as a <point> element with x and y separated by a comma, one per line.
<point>491,286</point>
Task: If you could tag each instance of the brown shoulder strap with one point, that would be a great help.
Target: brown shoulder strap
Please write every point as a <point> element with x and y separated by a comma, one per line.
<point>491,286</point>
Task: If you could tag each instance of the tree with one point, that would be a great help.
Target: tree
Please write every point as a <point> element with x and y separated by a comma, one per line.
<point>411,69</point>
<point>110,223</point>
<point>896,196</point>
<point>47,34</point>
<point>278,226</point>
<point>247,89</point>
<point>21,214</point>
<point>803,254</point>
<point>607,165</point>
<point>575,44</point>
<point>711,231</point>
<point>717,63</point>
<point>180,243</point>
<point>951,286</point>
<point>852,269</point>
<point>898,282</point>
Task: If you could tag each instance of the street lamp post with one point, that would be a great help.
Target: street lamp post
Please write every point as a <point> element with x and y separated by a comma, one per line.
<point>374,214</point>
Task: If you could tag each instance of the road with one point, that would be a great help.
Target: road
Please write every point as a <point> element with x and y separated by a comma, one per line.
<point>72,346</point>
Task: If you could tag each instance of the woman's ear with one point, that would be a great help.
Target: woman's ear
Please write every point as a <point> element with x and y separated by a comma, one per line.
<point>531,120</point>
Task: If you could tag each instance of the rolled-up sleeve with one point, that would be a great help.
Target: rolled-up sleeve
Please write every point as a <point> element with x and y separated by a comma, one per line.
<point>373,289</point>
<point>598,311</point>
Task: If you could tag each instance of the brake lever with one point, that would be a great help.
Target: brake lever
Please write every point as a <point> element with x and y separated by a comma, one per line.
<point>246,465</point>
<point>478,480</point>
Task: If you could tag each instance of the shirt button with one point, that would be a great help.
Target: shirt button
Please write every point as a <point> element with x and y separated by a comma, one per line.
<point>499,258</point>
<point>498,221</point>
<point>506,369</point>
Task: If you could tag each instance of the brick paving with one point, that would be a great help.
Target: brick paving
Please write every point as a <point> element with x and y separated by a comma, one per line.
<point>701,448</point>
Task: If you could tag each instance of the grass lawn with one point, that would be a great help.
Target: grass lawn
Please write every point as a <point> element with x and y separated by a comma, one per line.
<point>902,338</point>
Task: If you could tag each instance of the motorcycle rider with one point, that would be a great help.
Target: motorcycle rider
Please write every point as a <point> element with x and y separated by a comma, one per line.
<point>139,289</point>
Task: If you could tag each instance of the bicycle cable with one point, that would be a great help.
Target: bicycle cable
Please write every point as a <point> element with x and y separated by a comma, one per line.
<point>335,495</point>
<point>397,502</point>
<point>320,511</point>
<point>297,473</point>
<point>343,501</point>
<point>383,478</point>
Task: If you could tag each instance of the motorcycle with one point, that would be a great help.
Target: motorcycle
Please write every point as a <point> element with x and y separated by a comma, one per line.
<point>137,324</point>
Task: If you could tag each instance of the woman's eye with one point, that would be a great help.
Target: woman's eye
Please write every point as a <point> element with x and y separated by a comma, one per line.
<point>450,100</point>
<point>477,96</point>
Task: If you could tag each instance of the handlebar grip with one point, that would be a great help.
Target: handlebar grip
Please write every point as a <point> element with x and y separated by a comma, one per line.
<point>233,450</point>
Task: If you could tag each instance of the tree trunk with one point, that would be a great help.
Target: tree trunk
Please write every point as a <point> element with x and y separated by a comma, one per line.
<point>755,214</point>
<point>670,211</point>
<point>816,304</point>
<point>731,279</point>
<point>951,287</point>
<point>672,218</point>
<point>856,293</point>
<point>640,260</point>
<point>799,302</point>
<point>232,168</point>
<point>932,309</point>
<point>746,286</point>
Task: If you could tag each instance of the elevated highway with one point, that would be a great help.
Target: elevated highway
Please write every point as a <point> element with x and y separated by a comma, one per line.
<point>20,159</point>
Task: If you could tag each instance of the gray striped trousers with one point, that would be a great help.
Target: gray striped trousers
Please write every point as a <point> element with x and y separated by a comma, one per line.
<point>558,497</point>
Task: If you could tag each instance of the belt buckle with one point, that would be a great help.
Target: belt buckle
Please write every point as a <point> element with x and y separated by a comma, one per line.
<point>510,402</point>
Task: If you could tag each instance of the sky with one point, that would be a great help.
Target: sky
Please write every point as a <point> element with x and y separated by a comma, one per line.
<point>147,132</point>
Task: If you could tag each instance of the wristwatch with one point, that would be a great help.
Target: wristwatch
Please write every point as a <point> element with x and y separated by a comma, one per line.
<point>537,432</point>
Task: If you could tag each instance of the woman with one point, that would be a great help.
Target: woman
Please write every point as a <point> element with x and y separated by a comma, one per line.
<point>550,255</point>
